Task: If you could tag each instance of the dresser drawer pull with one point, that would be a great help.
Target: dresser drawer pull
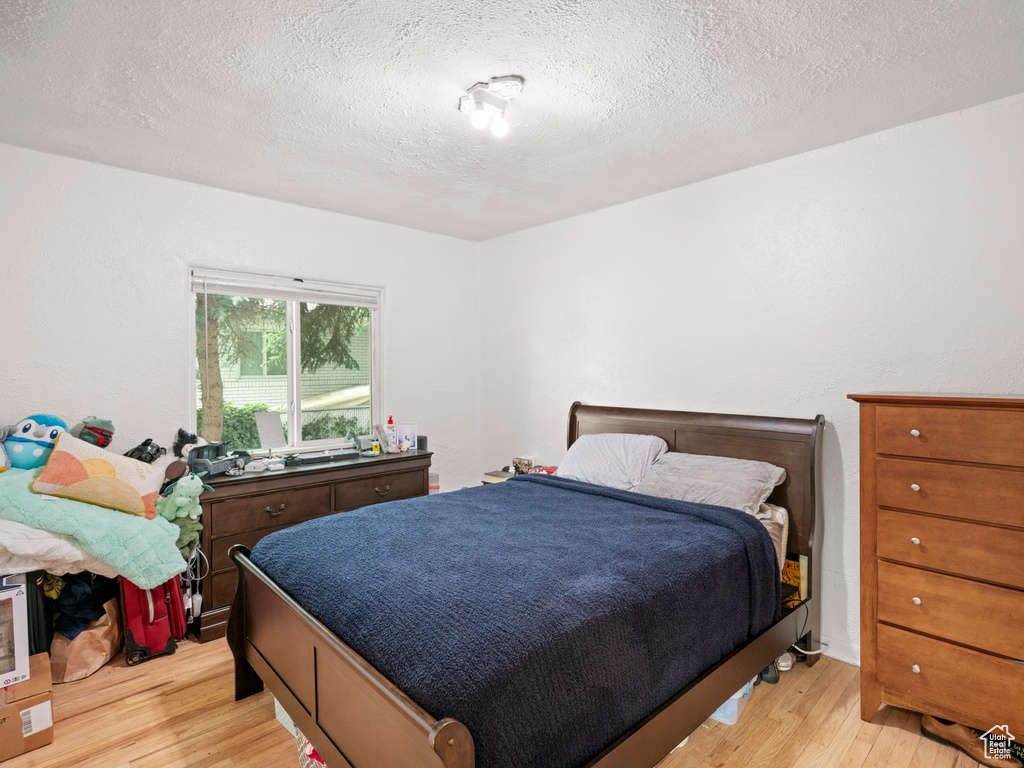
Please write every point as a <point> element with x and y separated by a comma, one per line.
<point>915,669</point>
<point>915,541</point>
<point>272,513</point>
<point>915,433</point>
<point>379,492</point>
<point>915,487</point>
<point>916,600</point>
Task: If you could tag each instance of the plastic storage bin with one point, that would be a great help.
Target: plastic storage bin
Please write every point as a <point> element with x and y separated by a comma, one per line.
<point>730,711</point>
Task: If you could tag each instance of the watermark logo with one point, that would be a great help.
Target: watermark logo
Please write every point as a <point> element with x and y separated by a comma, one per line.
<point>998,743</point>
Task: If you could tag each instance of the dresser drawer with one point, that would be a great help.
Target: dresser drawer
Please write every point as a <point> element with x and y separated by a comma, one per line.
<point>269,510</point>
<point>219,558</point>
<point>969,549</point>
<point>968,612</point>
<point>957,434</point>
<point>982,687</point>
<point>971,493</point>
<point>353,494</point>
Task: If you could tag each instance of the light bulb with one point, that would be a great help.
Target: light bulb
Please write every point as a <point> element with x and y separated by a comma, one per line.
<point>499,126</point>
<point>479,118</point>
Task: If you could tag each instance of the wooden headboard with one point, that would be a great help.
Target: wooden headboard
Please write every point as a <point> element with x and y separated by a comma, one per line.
<point>793,444</point>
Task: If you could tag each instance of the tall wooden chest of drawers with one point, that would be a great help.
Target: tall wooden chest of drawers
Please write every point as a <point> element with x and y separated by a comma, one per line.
<point>942,556</point>
<point>244,509</point>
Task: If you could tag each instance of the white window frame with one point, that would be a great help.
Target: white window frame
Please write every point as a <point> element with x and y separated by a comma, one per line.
<point>293,291</point>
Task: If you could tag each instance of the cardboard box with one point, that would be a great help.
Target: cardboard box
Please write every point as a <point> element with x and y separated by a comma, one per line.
<point>26,711</point>
<point>14,658</point>
<point>39,681</point>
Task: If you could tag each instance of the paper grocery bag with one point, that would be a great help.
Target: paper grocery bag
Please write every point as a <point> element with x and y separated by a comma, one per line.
<point>95,646</point>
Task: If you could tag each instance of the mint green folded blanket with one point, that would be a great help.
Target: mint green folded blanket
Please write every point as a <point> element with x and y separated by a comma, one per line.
<point>143,551</point>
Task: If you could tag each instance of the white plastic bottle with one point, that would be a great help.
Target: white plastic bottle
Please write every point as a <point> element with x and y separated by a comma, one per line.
<point>391,432</point>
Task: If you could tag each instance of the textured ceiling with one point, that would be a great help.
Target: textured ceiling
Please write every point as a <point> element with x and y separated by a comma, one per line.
<point>351,106</point>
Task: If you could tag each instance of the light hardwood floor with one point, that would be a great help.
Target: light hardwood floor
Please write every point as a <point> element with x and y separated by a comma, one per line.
<point>179,712</point>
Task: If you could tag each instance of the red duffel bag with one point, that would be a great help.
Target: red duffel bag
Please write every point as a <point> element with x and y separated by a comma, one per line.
<point>153,619</point>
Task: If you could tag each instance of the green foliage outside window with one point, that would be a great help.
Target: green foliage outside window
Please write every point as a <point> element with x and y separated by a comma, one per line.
<point>240,426</point>
<point>326,427</point>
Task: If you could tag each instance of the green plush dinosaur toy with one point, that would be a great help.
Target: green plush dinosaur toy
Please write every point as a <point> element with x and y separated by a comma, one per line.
<point>183,501</point>
<point>188,539</point>
<point>182,508</point>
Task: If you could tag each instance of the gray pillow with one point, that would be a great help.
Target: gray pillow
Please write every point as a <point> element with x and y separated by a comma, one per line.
<point>612,459</point>
<point>725,482</point>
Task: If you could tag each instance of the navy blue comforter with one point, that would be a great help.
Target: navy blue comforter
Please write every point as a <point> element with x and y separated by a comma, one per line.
<point>546,615</point>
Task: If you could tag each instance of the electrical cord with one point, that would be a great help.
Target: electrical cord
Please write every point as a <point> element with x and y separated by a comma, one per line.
<point>803,631</point>
<point>194,568</point>
<point>192,576</point>
<point>808,652</point>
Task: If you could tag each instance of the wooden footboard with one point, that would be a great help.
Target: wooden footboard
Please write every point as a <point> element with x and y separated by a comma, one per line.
<point>651,740</point>
<point>350,712</point>
<point>354,716</point>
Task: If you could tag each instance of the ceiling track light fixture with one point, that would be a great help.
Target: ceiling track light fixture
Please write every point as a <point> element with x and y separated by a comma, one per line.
<point>485,103</point>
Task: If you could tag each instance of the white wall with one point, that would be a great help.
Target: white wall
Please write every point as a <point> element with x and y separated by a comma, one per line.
<point>893,262</point>
<point>97,309</point>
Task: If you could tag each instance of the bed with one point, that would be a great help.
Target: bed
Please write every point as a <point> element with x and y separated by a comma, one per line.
<point>356,715</point>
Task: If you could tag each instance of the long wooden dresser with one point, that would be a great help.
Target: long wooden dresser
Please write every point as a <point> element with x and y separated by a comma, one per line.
<point>942,556</point>
<point>244,509</point>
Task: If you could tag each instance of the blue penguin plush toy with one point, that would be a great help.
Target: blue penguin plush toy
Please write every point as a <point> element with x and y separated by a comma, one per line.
<point>30,442</point>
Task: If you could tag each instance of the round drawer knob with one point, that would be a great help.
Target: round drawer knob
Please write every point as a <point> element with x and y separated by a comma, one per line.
<point>915,487</point>
<point>915,432</point>
<point>915,541</point>
<point>915,669</point>
<point>916,600</point>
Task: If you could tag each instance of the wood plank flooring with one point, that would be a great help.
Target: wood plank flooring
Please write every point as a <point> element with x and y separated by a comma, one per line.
<point>179,712</point>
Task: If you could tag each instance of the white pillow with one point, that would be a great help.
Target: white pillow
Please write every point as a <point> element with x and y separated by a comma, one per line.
<point>613,460</point>
<point>725,482</point>
<point>775,519</point>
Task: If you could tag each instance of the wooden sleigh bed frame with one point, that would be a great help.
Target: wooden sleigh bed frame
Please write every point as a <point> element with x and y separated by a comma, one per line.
<point>355,717</point>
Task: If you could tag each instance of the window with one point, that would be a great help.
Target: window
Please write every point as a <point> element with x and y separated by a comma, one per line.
<point>310,351</point>
<point>263,354</point>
